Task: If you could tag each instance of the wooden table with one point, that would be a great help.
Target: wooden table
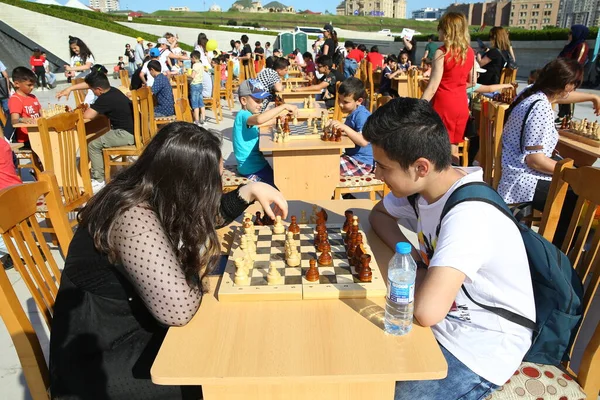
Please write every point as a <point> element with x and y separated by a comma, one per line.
<point>583,154</point>
<point>400,85</point>
<point>308,349</point>
<point>94,129</point>
<point>288,95</point>
<point>308,168</point>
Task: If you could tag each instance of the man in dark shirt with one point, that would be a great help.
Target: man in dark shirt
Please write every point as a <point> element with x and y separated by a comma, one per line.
<point>326,83</point>
<point>246,52</point>
<point>117,107</point>
<point>258,50</point>
<point>410,48</point>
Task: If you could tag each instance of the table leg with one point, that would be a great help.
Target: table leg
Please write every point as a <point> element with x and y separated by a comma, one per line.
<point>307,175</point>
<point>295,391</point>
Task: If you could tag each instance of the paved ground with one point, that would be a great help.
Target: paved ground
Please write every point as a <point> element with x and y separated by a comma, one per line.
<point>12,382</point>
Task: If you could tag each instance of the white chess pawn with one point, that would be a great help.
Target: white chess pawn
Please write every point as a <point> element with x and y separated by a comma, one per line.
<point>241,275</point>
<point>274,277</point>
<point>278,228</point>
<point>293,259</point>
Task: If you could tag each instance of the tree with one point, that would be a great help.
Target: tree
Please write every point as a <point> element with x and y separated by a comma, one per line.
<point>327,12</point>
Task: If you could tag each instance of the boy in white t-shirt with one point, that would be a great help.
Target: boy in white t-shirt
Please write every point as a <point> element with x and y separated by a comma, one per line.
<point>477,247</point>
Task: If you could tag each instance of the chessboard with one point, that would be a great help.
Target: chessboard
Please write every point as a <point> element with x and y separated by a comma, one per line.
<point>309,129</point>
<point>583,131</point>
<point>338,280</point>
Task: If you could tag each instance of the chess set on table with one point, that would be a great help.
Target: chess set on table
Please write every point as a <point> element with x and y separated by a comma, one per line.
<point>56,109</point>
<point>507,95</point>
<point>584,131</point>
<point>283,131</point>
<point>309,260</point>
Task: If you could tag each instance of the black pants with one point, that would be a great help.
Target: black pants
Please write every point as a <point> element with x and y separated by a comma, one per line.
<point>565,109</point>
<point>41,75</point>
<point>539,201</point>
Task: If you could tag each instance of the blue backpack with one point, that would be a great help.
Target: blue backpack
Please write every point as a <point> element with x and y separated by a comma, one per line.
<point>557,289</point>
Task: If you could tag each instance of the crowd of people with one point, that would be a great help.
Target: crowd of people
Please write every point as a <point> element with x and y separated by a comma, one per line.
<point>147,240</point>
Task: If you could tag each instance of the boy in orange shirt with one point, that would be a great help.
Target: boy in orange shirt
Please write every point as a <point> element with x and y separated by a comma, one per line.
<point>24,107</point>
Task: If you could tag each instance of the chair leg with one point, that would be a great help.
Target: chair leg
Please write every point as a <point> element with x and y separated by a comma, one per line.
<point>373,195</point>
<point>106,166</point>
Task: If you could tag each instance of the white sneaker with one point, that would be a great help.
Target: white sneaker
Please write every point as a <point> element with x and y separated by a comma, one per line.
<point>97,186</point>
<point>38,89</point>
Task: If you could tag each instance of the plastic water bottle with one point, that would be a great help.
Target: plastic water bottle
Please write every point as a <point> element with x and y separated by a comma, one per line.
<point>402,271</point>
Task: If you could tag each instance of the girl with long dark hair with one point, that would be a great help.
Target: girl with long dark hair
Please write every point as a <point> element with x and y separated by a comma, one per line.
<point>138,264</point>
<point>82,60</point>
<point>576,49</point>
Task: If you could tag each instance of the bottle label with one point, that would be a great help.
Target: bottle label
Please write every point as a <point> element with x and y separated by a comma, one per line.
<point>401,293</point>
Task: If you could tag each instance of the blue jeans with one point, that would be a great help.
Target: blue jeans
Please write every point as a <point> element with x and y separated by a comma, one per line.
<point>264,175</point>
<point>196,96</point>
<point>460,384</point>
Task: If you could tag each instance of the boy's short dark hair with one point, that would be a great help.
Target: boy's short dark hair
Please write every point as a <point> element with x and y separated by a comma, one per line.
<point>257,43</point>
<point>352,86</point>
<point>408,129</point>
<point>391,58</point>
<point>308,55</point>
<point>244,39</point>
<point>97,80</point>
<point>23,74</point>
<point>349,43</point>
<point>362,47</point>
<point>237,41</point>
<point>267,43</point>
<point>374,49</point>
<point>325,61</point>
<point>427,61</point>
<point>280,63</point>
<point>155,65</point>
<point>195,54</point>
<point>431,37</point>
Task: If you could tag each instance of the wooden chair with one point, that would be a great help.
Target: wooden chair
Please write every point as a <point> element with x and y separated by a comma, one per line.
<point>183,110</point>
<point>491,124</point>
<point>214,102</point>
<point>370,88</point>
<point>2,117</point>
<point>67,155</point>
<point>383,100</point>
<point>36,265</point>
<point>582,245</point>
<point>144,130</point>
<point>231,178</point>
<point>359,184</point>
<point>247,70</point>
<point>79,94</point>
<point>181,83</point>
<point>414,90</point>
<point>124,76</point>
<point>508,75</point>
<point>463,152</point>
<point>338,115</point>
<point>227,91</point>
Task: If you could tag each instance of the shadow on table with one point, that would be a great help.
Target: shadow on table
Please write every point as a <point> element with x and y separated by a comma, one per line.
<point>368,309</point>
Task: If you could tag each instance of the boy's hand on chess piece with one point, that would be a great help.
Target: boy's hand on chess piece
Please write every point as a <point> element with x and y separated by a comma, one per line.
<point>292,108</point>
<point>265,195</point>
<point>333,124</point>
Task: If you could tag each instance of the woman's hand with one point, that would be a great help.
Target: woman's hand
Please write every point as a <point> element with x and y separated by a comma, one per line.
<point>596,104</point>
<point>265,195</point>
<point>64,93</point>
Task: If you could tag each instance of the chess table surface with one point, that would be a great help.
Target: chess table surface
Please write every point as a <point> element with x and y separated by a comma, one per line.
<point>338,280</point>
<point>317,349</point>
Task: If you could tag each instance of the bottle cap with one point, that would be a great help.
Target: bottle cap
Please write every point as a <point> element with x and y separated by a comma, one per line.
<point>403,248</point>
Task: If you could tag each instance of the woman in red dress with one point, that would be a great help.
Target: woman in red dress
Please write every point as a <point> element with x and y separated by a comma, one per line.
<point>452,69</point>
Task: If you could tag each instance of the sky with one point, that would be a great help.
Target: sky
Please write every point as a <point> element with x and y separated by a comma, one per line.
<point>313,5</point>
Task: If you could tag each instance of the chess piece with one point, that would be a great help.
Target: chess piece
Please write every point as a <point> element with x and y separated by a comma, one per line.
<point>240,262</point>
<point>278,228</point>
<point>294,228</point>
<point>353,243</point>
<point>295,121</point>
<point>286,125</point>
<point>279,126</point>
<point>322,217</point>
<point>325,258</point>
<point>293,259</point>
<point>273,276</point>
<point>563,124</point>
<point>267,221</point>
<point>338,135</point>
<point>241,276</point>
<point>303,219</point>
<point>365,274</point>
<point>312,275</point>
<point>313,216</point>
<point>323,241</point>
<point>258,219</point>
<point>321,229</point>
<point>305,102</point>
<point>315,131</point>
<point>348,223</point>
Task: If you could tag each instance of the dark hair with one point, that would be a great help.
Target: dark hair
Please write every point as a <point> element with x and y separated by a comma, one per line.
<point>427,61</point>
<point>97,80</point>
<point>334,37</point>
<point>431,37</point>
<point>23,74</point>
<point>168,35</point>
<point>257,43</point>
<point>267,43</point>
<point>84,51</point>
<point>552,80</point>
<point>325,60</point>
<point>391,58</point>
<point>237,41</point>
<point>308,55</point>
<point>408,129</point>
<point>99,68</point>
<point>533,75</point>
<point>349,43</point>
<point>244,39</point>
<point>362,47</point>
<point>280,63</point>
<point>195,54</point>
<point>352,86</point>
<point>269,61</point>
<point>155,65</point>
<point>178,177</point>
<point>374,49</point>
<point>127,45</point>
<point>37,52</point>
<point>202,40</point>
<point>232,44</point>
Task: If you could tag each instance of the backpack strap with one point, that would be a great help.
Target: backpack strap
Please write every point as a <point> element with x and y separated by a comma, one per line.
<point>412,199</point>
<point>480,191</point>
<point>522,140</point>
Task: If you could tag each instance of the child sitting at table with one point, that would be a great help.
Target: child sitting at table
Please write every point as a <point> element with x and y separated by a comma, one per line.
<point>270,78</point>
<point>245,135</point>
<point>23,106</point>
<point>326,83</point>
<point>477,248</point>
<point>162,90</point>
<point>426,67</point>
<point>404,64</point>
<point>310,68</point>
<point>357,160</point>
<point>390,71</point>
<point>196,89</point>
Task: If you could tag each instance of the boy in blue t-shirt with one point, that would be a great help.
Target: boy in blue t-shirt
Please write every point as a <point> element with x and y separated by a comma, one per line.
<point>357,160</point>
<point>251,162</point>
<point>162,90</point>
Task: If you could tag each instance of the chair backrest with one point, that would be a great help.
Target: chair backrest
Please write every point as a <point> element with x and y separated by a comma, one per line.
<point>582,245</point>
<point>491,124</point>
<point>144,127</point>
<point>2,117</point>
<point>508,75</point>
<point>337,111</point>
<point>124,76</point>
<point>463,152</point>
<point>36,265</point>
<point>181,82</point>
<point>183,111</point>
<point>217,84</point>
<point>383,100</point>
<point>79,94</point>
<point>414,89</point>
<point>370,87</point>
<point>66,153</point>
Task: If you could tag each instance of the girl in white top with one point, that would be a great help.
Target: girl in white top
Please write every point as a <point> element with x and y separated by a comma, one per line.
<point>82,60</point>
<point>527,156</point>
<point>200,46</point>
